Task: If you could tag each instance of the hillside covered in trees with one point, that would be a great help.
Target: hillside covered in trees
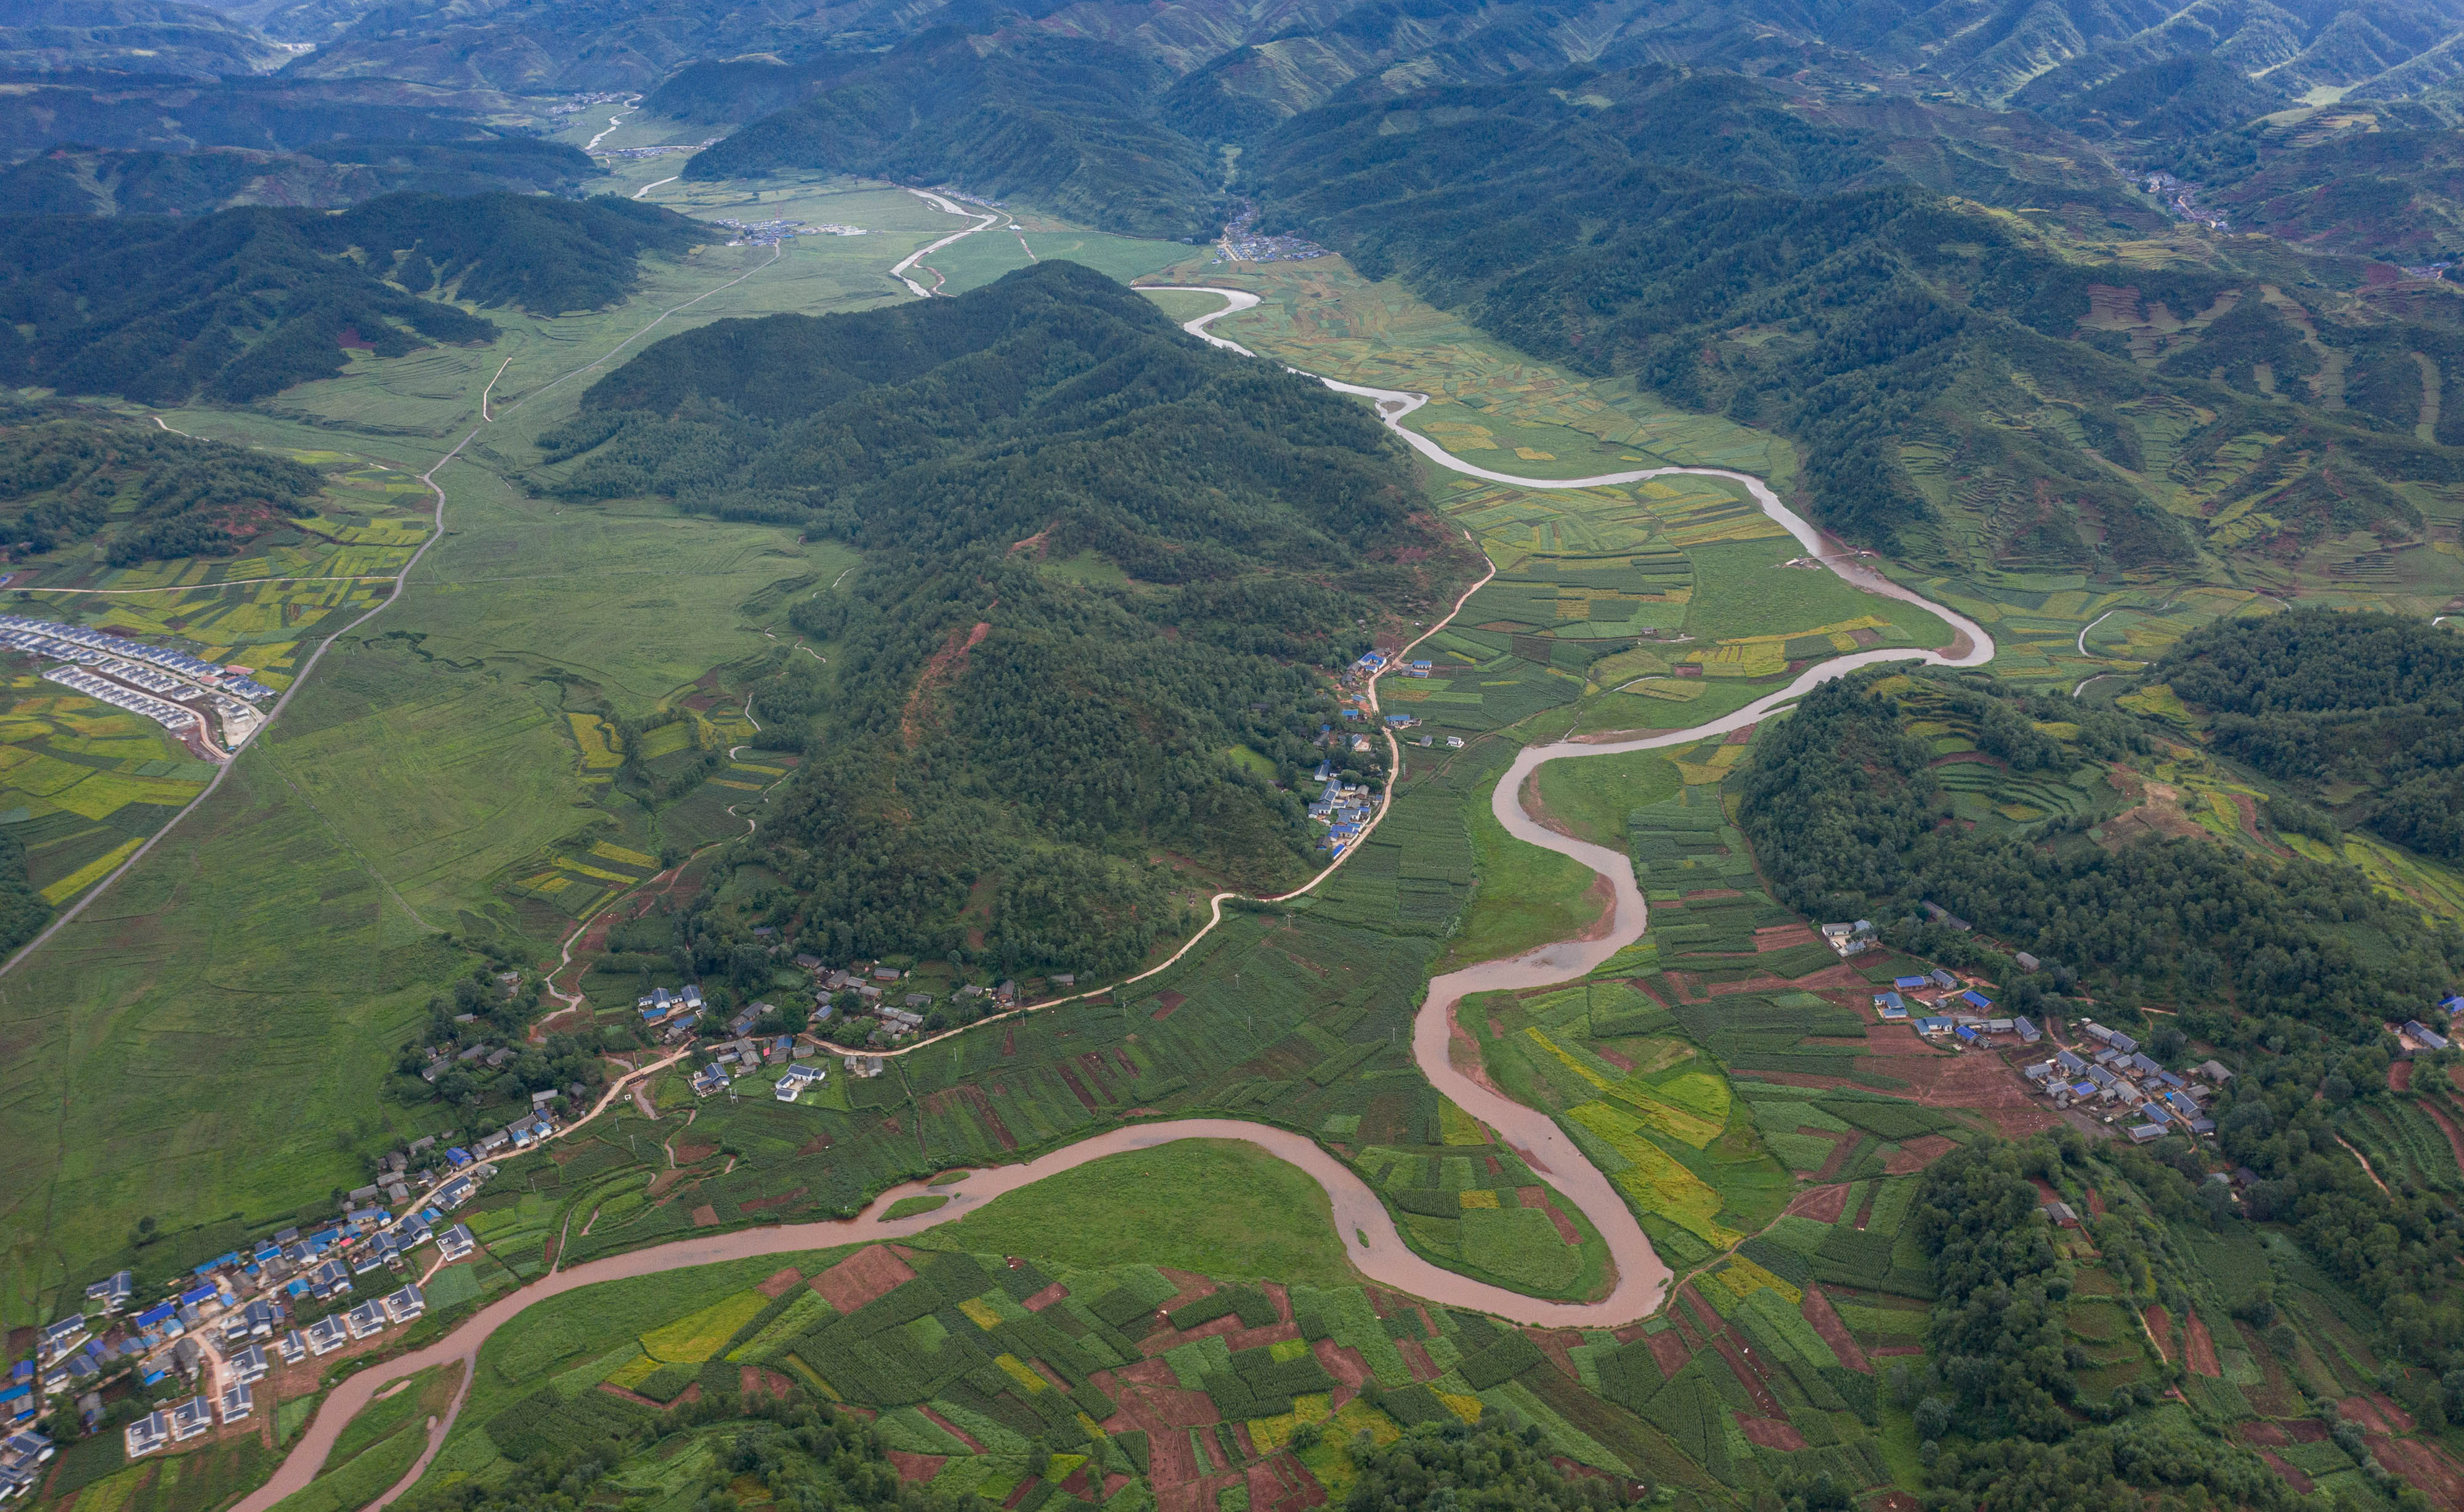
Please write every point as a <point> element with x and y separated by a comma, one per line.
<point>244,304</point>
<point>1848,818</point>
<point>2318,697</point>
<point>997,743</point>
<point>1962,396</point>
<point>157,494</point>
<point>1072,124</point>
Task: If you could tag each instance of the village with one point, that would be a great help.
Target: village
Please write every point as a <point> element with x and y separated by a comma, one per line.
<point>173,689</point>
<point>178,1366</point>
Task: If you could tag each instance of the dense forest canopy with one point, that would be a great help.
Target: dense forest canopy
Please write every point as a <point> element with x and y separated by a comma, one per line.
<point>1847,819</point>
<point>1072,124</point>
<point>244,304</point>
<point>997,746</point>
<point>158,494</point>
<point>1697,231</point>
<point>2320,695</point>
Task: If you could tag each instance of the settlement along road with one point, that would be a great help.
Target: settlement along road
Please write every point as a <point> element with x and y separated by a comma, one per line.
<point>1359,1215</point>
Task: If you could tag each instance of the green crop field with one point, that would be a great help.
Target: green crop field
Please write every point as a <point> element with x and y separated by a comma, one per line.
<point>260,970</point>
<point>1593,796</point>
<point>1215,1206</point>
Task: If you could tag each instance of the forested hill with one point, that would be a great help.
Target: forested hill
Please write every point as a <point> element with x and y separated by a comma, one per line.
<point>246,302</point>
<point>1104,558</point>
<point>1849,818</point>
<point>2368,702</point>
<point>1961,395</point>
<point>1068,122</point>
<point>152,493</point>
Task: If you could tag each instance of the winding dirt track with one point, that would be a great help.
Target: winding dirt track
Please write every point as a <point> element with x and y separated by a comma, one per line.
<point>1359,1215</point>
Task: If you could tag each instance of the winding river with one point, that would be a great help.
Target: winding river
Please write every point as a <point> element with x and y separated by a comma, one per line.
<point>1375,1245</point>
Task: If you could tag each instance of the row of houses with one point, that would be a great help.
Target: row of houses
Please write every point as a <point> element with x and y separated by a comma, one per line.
<point>172,716</point>
<point>72,639</point>
<point>182,1421</point>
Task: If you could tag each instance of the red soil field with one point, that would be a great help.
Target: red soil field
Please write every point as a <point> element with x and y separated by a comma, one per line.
<point>860,1278</point>
<point>1818,1312</point>
<point>2199,1350</point>
<point>1915,1154</point>
<point>1769,1432</point>
<point>781,1283</point>
<point>1822,1204</point>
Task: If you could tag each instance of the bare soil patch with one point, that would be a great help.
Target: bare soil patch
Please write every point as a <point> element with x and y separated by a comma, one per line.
<point>2293,1477</point>
<point>781,1283</point>
<point>1915,1154</point>
<point>1668,1351</point>
<point>1769,1432</point>
<point>1818,1311</point>
<point>2199,1350</point>
<point>1045,1298</point>
<point>2422,1466</point>
<point>705,1216</point>
<point>1822,1204</point>
<point>861,1276</point>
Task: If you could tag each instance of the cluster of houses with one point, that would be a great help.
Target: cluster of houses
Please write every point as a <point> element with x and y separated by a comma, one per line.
<point>1962,1014</point>
<point>169,716</point>
<point>673,1013</point>
<point>1344,809</point>
<point>229,1318</point>
<point>22,1456</point>
<point>2119,1079</point>
<point>78,644</point>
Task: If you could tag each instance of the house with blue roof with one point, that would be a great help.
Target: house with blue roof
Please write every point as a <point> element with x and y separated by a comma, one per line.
<point>2083,1089</point>
<point>2452,1004</point>
<point>1909,984</point>
<point>1933,1026</point>
<point>1976,999</point>
<point>1965,1032</point>
<point>18,1403</point>
<point>1889,1000</point>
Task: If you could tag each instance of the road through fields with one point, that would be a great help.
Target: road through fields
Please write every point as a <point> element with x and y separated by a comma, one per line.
<point>1359,1215</point>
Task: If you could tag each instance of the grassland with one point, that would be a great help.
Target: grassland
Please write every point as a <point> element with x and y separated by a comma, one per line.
<point>257,973</point>
<point>1236,1212</point>
<point>1591,798</point>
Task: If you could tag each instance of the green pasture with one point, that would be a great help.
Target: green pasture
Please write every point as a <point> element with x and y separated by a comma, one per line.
<point>1220,1207</point>
<point>1592,796</point>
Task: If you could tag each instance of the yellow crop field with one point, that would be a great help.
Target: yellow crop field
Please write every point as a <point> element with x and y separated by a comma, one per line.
<point>597,738</point>
<point>87,875</point>
<point>1270,1434</point>
<point>981,1313</point>
<point>568,864</point>
<point>1023,1374</point>
<point>1654,1178</point>
<point>697,1336</point>
<point>1479,1199</point>
<point>1743,1278</point>
<point>605,851</point>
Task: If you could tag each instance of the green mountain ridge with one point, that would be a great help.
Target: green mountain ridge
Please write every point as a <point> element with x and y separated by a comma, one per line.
<point>983,720</point>
<point>243,303</point>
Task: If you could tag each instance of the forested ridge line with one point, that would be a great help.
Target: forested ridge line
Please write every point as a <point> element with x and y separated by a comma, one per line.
<point>987,721</point>
<point>241,304</point>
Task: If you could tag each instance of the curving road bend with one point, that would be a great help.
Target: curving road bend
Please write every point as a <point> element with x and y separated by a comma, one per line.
<point>1368,1232</point>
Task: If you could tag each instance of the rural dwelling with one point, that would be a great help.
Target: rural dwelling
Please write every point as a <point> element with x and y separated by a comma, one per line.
<point>793,1084</point>
<point>2419,1038</point>
<point>191,1418</point>
<point>236,1402</point>
<point>456,1244</point>
<point>148,1434</point>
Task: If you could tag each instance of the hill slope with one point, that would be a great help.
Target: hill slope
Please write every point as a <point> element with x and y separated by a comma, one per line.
<point>985,718</point>
<point>1967,393</point>
<point>246,302</point>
